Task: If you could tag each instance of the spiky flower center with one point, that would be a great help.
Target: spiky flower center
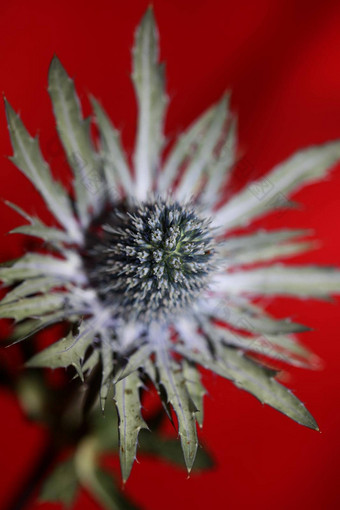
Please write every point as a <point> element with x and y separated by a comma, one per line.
<point>150,260</point>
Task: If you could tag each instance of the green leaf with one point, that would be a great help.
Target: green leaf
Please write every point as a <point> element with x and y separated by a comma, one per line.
<point>270,192</point>
<point>187,144</point>
<point>130,420</point>
<point>261,247</point>
<point>34,265</point>
<point>252,319</point>
<point>38,229</point>
<point>116,169</point>
<point>67,351</point>
<point>172,379</point>
<point>256,379</point>
<point>203,156</point>
<point>133,362</point>
<point>170,450</point>
<point>284,348</point>
<point>148,80</point>
<point>107,372</point>
<point>300,281</point>
<point>219,170</point>
<point>30,287</point>
<point>32,326</point>
<point>61,485</point>
<point>28,158</point>
<point>49,234</point>
<point>96,480</point>
<point>33,306</point>
<point>103,487</point>
<point>74,135</point>
<point>195,388</point>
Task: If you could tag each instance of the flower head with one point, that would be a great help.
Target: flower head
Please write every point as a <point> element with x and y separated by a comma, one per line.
<point>145,264</point>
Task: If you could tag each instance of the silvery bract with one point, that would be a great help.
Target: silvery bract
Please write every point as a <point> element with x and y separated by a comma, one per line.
<point>144,264</point>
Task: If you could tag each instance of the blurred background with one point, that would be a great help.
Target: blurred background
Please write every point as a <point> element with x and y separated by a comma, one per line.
<point>281,59</point>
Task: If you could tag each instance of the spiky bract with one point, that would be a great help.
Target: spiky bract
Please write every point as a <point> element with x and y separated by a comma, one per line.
<point>153,288</point>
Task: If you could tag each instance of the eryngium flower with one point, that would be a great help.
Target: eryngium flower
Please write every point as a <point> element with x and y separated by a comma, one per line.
<point>144,263</point>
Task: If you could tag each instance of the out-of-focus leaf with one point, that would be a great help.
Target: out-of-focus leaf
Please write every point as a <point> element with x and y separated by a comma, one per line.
<point>96,480</point>
<point>204,153</point>
<point>33,306</point>
<point>170,449</point>
<point>305,281</point>
<point>30,287</point>
<point>270,192</point>
<point>61,485</point>
<point>33,265</point>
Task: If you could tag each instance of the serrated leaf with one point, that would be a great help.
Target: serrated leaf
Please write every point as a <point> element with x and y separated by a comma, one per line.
<point>270,192</point>
<point>130,420</point>
<point>28,158</point>
<point>172,379</point>
<point>203,156</point>
<point>34,265</point>
<point>300,281</point>
<point>33,306</point>
<point>256,379</point>
<point>148,80</point>
<point>68,351</point>
<point>252,319</point>
<point>32,326</point>
<point>187,143</point>
<point>116,169</point>
<point>107,372</point>
<point>38,229</point>
<point>74,135</point>
<point>262,246</point>
<point>133,362</point>
<point>195,388</point>
<point>49,234</point>
<point>284,348</point>
<point>61,485</point>
<point>91,361</point>
<point>219,170</point>
<point>30,287</point>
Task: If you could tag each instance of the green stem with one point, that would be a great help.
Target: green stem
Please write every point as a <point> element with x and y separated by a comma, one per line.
<point>35,477</point>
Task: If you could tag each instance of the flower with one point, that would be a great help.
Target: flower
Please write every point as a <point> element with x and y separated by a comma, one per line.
<point>147,265</point>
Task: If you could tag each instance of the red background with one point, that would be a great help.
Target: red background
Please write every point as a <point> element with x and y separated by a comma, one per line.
<point>281,59</point>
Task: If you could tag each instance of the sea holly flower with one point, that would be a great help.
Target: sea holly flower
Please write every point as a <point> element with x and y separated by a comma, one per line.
<point>148,264</point>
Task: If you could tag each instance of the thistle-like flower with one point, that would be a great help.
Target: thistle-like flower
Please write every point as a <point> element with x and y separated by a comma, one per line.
<point>144,263</point>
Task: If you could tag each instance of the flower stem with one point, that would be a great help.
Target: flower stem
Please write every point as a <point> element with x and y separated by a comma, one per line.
<point>35,476</point>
